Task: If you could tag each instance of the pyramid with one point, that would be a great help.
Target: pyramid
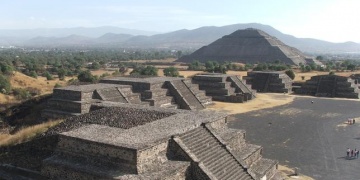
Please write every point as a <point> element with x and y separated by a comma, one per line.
<point>247,46</point>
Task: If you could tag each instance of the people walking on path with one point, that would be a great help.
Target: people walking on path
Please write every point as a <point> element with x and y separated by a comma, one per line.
<point>357,154</point>
<point>348,152</point>
<point>352,153</point>
<point>354,121</point>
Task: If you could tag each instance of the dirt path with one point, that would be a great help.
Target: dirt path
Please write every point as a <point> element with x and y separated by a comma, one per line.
<point>262,101</point>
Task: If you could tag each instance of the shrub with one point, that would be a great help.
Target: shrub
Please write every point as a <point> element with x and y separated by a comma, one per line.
<point>290,73</point>
<point>21,94</point>
<point>57,85</point>
<point>33,74</point>
<point>86,76</point>
<point>48,76</point>
<point>5,86</point>
<point>171,71</point>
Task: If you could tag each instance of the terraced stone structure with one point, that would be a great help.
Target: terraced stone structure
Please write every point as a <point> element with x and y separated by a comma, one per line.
<point>247,46</point>
<point>134,142</point>
<point>154,91</point>
<point>330,86</point>
<point>277,82</point>
<point>76,100</point>
<point>223,87</point>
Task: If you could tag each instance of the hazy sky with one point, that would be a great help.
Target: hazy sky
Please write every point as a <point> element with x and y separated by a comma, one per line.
<point>331,20</point>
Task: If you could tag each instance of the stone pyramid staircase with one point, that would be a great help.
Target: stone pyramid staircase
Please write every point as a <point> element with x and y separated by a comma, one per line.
<point>199,94</point>
<point>111,94</point>
<point>242,87</point>
<point>159,96</point>
<point>219,163</point>
<point>184,96</point>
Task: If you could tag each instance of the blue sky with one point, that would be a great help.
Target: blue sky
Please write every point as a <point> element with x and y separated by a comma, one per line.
<point>331,20</point>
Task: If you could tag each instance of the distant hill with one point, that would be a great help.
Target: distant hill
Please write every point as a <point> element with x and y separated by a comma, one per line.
<point>188,39</point>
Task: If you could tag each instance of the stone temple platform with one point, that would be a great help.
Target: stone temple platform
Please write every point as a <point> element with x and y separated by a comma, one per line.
<point>136,142</point>
<point>330,86</point>
<point>165,92</point>
<point>272,81</point>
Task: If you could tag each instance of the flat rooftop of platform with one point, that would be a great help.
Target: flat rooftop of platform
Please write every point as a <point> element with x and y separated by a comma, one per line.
<point>91,87</point>
<point>266,72</point>
<point>214,75</point>
<point>144,80</point>
<point>144,135</point>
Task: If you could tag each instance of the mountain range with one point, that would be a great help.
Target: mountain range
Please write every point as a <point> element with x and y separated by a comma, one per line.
<point>108,36</point>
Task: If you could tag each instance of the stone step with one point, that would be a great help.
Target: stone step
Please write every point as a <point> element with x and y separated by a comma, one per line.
<point>209,153</point>
<point>231,171</point>
<point>208,146</point>
<point>200,138</point>
<point>249,153</point>
<point>263,167</point>
<point>151,94</point>
<point>210,157</point>
<point>208,150</point>
<point>161,100</point>
<point>190,134</point>
<point>219,163</point>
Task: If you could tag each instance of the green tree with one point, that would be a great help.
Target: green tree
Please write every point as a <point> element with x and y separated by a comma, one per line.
<point>290,73</point>
<point>95,66</point>
<point>171,71</point>
<point>33,74</point>
<point>319,58</point>
<point>61,73</point>
<point>86,76</point>
<point>48,75</point>
<point>5,86</point>
<point>148,71</point>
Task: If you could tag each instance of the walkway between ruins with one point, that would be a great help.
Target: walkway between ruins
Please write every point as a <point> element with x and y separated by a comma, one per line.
<point>312,137</point>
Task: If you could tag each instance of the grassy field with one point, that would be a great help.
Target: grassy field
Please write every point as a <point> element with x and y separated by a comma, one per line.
<point>26,134</point>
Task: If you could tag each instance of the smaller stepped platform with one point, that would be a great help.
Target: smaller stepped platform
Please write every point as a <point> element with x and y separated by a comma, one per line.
<point>223,87</point>
<point>330,86</point>
<point>275,81</point>
<point>75,100</point>
<point>166,92</point>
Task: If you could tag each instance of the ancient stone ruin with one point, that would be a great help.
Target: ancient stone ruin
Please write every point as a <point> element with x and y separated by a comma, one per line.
<point>330,86</point>
<point>356,78</point>
<point>223,87</point>
<point>248,46</point>
<point>277,82</point>
<point>125,141</point>
<point>167,92</point>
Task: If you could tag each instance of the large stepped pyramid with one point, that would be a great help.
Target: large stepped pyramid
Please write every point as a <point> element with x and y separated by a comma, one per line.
<point>247,46</point>
<point>330,86</point>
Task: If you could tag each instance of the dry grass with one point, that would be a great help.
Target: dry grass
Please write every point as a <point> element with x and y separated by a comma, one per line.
<point>26,134</point>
